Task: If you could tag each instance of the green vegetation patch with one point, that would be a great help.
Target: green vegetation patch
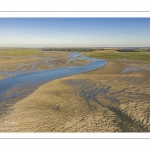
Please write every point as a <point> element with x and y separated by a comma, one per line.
<point>116,54</point>
<point>19,52</point>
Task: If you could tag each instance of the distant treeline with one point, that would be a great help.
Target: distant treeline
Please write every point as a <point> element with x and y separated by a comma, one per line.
<point>128,50</point>
<point>71,49</point>
<point>97,49</point>
<point>133,50</point>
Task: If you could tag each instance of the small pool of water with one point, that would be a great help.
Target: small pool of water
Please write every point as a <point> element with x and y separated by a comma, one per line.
<point>130,69</point>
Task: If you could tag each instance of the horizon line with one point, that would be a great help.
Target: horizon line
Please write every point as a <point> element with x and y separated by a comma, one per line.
<point>77,47</point>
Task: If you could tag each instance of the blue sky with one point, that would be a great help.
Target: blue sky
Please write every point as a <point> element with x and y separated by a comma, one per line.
<point>74,32</point>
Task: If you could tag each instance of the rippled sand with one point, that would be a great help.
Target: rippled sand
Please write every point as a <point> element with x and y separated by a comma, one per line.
<point>103,100</point>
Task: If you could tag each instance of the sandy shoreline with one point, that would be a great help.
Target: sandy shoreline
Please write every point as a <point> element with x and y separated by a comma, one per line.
<point>102,100</point>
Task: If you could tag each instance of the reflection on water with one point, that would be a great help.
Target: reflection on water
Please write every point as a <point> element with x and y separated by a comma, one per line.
<point>23,84</point>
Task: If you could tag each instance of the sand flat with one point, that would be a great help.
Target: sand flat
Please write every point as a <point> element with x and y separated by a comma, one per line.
<point>103,100</point>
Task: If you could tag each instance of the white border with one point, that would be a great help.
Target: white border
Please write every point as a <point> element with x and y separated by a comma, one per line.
<point>99,135</point>
<point>74,5</point>
<point>75,14</point>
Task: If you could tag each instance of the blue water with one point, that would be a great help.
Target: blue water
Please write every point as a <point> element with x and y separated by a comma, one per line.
<point>22,85</point>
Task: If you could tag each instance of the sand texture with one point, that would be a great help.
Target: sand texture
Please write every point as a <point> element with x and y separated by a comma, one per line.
<point>109,99</point>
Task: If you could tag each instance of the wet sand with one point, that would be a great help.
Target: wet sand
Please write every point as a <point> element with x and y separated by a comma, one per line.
<point>12,65</point>
<point>104,100</point>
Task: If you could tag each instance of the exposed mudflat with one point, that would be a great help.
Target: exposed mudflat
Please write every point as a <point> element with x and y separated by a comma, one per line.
<point>104,100</point>
<point>13,65</point>
<point>49,64</point>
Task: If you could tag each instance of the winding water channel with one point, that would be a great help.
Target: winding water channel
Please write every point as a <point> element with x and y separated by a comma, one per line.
<point>21,85</point>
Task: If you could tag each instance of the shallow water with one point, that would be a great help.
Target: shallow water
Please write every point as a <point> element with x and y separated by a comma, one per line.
<point>130,69</point>
<point>21,85</point>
